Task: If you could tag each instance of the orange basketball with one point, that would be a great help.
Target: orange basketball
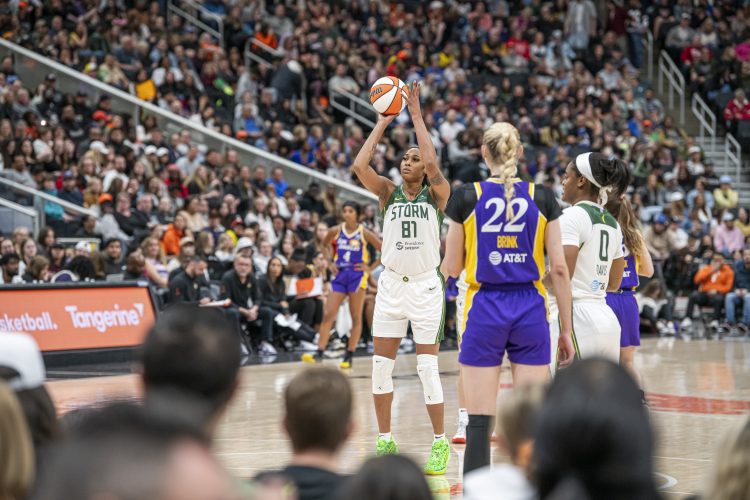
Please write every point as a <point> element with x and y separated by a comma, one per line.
<point>388,95</point>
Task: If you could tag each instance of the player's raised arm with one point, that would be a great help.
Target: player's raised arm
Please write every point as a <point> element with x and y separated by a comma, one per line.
<point>378,185</point>
<point>439,187</point>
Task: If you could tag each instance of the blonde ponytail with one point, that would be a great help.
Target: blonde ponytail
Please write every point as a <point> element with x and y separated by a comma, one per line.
<point>502,143</point>
<point>629,226</point>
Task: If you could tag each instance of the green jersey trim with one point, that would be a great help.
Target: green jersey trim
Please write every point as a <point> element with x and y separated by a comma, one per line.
<point>598,215</point>
<point>398,196</point>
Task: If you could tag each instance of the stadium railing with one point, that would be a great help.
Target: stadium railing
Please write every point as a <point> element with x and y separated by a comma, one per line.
<point>733,150</point>
<point>13,215</point>
<point>352,106</point>
<point>32,69</point>
<point>671,74</point>
<point>254,42</point>
<point>194,13</point>
<point>706,118</point>
<point>271,54</point>
<point>649,45</point>
<point>20,199</point>
<point>708,130</point>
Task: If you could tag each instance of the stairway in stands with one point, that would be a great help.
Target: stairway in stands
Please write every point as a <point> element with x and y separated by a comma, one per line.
<point>715,151</point>
<point>714,148</point>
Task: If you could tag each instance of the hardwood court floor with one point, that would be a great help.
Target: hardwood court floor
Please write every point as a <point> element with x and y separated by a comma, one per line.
<point>696,390</point>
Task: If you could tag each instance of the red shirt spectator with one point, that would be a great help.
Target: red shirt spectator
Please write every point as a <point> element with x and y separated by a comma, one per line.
<point>738,108</point>
<point>517,44</point>
<point>692,52</point>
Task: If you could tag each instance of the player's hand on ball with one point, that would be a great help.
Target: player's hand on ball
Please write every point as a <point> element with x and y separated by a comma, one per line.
<point>387,119</point>
<point>565,351</point>
<point>412,101</point>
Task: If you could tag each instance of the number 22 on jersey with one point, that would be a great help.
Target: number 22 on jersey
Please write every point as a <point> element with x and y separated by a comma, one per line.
<point>520,207</point>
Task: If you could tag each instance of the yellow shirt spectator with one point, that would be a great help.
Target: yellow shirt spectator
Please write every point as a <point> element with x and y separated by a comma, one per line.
<point>146,90</point>
<point>724,195</point>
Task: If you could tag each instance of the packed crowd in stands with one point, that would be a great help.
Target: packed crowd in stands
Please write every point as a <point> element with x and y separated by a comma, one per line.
<point>569,75</point>
<point>712,50</point>
<point>165,443</point>
<point>173,213</point>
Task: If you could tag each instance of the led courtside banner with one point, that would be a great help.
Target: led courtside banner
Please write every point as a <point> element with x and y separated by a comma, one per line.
<point>78,315</point>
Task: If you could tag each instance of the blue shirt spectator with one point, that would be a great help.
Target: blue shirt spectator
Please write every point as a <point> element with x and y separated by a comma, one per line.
<point>52,211</point>
<point>278,181</point>
<point>70,191</point>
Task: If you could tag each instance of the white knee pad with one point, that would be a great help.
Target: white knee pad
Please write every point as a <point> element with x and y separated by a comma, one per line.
<point>427,369</point>
<point>382,369</point>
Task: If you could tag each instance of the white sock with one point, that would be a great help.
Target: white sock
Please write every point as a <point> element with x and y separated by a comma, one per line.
<point>439,436</point>
<point>462,412</point>
<point>385,435</point>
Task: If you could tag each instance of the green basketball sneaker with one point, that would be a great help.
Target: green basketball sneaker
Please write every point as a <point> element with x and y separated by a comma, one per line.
<point>386,447</point>
<point>438,462</point>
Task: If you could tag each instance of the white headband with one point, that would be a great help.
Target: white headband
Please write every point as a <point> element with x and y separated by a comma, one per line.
<point>583,166</point>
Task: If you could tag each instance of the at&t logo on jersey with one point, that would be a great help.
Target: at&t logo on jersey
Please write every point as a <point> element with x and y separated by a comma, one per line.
<point>496,258</point>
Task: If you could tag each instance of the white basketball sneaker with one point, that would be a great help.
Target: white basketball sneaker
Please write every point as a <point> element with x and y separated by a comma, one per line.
<point>463,421</point>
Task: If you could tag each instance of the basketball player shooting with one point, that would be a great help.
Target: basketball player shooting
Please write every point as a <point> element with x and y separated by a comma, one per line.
<point>411,288</point>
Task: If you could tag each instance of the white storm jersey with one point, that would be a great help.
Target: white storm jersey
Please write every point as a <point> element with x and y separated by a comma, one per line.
<point>597,235</point>
<point>411,233</point>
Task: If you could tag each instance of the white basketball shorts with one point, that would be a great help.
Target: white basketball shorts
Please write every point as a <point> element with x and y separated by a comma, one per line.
<point>419,299</point>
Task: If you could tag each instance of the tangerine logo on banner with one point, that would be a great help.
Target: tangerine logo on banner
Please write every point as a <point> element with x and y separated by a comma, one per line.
<point>78,318</point>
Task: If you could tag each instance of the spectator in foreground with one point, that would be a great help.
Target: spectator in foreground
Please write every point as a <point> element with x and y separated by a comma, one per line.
<point>390,477</point>
<point>160,455</point>
<point>730,479</point>
<point>615,460</point>
<point>516,420</point>
<point>318,421</point>
<point>16,450</point>
<point>194,351</point>
<point>714,282</point>
<point>22,367</point>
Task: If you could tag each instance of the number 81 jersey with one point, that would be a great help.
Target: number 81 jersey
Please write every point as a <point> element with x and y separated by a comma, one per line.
<point>411,233</point>
<point>499,251</point>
